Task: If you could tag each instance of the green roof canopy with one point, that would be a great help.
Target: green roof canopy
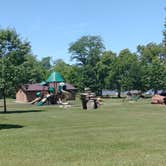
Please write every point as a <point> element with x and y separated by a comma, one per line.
<point>55,77</point>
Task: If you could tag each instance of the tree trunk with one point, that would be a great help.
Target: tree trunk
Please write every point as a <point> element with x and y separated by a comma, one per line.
<point>4,101</point>
<point>155,91</point>
<point>119,93</point>
<point>99,93</point>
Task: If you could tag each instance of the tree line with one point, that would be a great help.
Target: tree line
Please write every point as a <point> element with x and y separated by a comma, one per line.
<point>94,66</point>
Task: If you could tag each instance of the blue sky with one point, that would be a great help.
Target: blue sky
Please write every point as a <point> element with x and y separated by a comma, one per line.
<point>51,25</point>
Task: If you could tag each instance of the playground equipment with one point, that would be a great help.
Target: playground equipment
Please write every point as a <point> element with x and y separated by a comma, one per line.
<point>56,91</point>
<point>43,101</point>
<point>62,93</point>
<point>38,98</point>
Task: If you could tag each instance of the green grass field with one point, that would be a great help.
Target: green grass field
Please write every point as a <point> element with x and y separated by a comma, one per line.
<point>116,134</point>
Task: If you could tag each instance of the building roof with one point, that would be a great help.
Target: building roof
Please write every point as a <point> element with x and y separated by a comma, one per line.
<point>70,87</point>
<point>38,87</point>
<point>32,87</point>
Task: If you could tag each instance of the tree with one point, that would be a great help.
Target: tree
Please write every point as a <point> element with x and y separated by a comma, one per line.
<point>12,54</point>
<point>153,60</point>
<point>87,52</point>
<point>104,66</point>
<point>71,73</point>
<point>45,62</point>
<point>124,74</point>
<point>31,71</point>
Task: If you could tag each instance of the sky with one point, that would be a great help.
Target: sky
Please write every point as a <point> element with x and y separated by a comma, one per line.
<point>52,25</point>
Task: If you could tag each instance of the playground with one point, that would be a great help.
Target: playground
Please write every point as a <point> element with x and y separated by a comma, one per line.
<point>54,90</point>
<point>118,133</point>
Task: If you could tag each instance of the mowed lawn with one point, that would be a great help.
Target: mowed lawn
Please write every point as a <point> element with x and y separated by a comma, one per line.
<point>117,134</point>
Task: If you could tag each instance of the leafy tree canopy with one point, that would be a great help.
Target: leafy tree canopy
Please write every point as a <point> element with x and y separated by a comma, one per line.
<point>87,49</point>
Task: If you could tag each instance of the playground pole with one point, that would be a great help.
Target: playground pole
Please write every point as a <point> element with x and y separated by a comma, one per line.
<point>55,92</point>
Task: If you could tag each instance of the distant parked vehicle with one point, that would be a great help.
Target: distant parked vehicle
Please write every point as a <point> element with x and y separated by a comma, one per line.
<point>108,93</point>
<point>163,93</point>
<point>149,92</point>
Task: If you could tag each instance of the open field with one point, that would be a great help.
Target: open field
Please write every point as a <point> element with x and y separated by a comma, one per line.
<point>117,134</point>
